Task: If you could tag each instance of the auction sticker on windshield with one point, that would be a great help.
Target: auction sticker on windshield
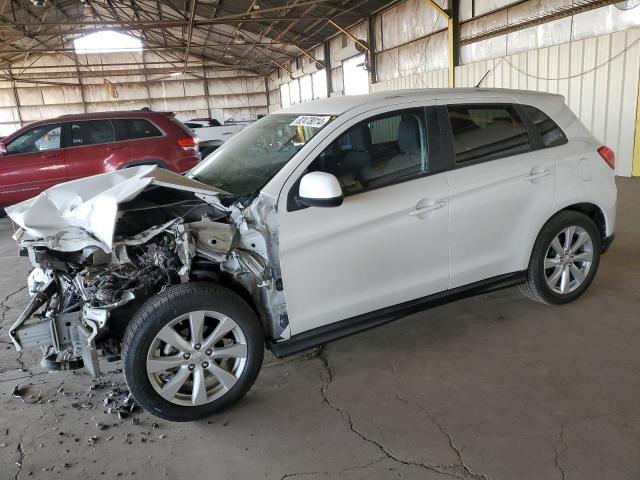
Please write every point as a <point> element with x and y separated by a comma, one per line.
<point>310,121</point>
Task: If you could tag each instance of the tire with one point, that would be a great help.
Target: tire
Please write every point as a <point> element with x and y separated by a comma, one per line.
<point>543,284</point>
<point>217,365</point>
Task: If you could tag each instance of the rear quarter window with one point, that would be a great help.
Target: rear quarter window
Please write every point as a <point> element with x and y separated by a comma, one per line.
<point>135,128</point>
<point>182,126</point>
<point>550,133</point>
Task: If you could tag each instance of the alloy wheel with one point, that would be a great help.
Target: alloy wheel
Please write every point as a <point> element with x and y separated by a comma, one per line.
<point>196,358</point>
<point>568,260</point>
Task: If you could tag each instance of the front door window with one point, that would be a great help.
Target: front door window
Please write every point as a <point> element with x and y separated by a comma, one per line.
<point>45,137</point>
<point>378,152</point>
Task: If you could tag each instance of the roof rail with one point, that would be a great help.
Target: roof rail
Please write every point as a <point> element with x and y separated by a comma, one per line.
<point>115,112</point>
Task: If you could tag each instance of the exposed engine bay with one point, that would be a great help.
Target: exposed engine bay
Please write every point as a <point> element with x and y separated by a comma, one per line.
<point>158,229</point>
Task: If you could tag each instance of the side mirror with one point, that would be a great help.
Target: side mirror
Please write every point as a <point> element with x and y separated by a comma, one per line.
<point>3,149</point>
<point>320,189</point>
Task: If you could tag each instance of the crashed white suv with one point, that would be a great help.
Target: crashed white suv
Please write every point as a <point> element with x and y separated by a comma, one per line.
<point>314,223</point>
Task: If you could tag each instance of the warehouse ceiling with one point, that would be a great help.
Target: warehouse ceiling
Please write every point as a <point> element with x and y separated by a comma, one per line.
<point>256,35</point>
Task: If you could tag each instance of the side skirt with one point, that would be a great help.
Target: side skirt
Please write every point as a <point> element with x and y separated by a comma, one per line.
<point>344,328</point>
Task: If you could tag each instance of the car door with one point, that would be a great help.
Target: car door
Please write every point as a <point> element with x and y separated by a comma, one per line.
<point>145,141</point>
<point>388,242</point>
<point>501,189</point>
<point>92,149</point>
<point>34,161</point>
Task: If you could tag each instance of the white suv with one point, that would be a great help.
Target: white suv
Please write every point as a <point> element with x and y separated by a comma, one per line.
<point>314,223</point>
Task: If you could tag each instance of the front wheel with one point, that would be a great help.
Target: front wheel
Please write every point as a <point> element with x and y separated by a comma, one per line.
<point>192,351</point>
<point>564,260</point>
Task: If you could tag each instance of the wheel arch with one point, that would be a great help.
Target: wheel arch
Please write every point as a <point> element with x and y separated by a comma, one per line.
<point>204,270</point>
<point>589,209</point>
<point>137,163</point>
<point>592,211</point>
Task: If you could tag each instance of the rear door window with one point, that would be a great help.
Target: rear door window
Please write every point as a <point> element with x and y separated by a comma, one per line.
<point>134,128</point>
<point>90,132</point>
<point>550,133</point>
<point>44,137</point>
<point>485,132</point>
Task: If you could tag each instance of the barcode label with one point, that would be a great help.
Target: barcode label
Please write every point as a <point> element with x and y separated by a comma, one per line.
<point>313,121</point>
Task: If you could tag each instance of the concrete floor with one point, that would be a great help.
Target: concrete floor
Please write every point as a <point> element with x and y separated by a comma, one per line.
<point>494,387</point>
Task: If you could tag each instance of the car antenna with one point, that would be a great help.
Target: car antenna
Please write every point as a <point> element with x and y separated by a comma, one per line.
<point>488,72</point>
<point>477,85</point>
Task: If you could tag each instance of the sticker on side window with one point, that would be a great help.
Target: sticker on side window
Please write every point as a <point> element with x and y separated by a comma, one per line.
<point>314,121</point>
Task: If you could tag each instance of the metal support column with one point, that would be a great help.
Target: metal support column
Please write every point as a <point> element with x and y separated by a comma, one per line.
<point>205,79</point>
<point>266,89</point>
<point>16,101</point>
<point>371,32</point>
<point>146,79</point>
<point>327,67</point>
<point>84,103</point>
<point>635,161</point>
<point>453,34</point>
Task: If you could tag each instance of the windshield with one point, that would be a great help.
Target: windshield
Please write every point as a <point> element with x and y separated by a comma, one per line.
<point>244,164</point>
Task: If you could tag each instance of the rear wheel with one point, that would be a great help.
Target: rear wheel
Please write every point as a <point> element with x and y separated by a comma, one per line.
<point>192,351</point>
<point>564,260</point>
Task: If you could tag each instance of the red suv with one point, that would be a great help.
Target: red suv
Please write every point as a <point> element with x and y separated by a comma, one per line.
<point>49,152</point>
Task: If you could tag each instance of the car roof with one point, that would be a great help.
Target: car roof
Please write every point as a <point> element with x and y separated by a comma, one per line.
<point>342,104</point>
<point>91,116</point>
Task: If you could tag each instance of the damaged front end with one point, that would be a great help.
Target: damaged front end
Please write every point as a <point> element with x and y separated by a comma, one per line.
<point>102,246</point>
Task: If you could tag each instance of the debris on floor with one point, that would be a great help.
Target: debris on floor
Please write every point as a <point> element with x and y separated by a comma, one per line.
<point>271,361</point>
<point>118,400</point>
<point>26,395</point>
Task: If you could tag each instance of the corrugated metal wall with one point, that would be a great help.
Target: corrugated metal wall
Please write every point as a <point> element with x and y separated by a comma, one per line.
<point>233,94</point>
<point>432,79</point>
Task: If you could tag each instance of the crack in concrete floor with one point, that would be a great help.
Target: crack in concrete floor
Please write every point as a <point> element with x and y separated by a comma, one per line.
<point>335,472</point>
<point>448,470</point>
<point>4,308</point>
<point>458,452</point>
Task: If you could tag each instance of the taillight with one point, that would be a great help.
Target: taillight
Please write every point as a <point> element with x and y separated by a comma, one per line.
<point>608,156</point>
<point>188,142</point>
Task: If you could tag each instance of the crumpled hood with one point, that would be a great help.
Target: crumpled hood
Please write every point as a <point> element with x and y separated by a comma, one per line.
<point>83,213</point>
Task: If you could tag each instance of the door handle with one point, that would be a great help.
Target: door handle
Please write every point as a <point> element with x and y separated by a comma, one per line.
<point>427,207</point>
<point>116,147</point>
<point>537,173</point>
<point>50,155</point>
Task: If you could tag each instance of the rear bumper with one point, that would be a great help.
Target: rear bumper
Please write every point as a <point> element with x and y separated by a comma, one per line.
<point>607,242</point>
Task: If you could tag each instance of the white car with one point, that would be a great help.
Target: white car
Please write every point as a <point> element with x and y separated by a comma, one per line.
<point>212,134</point>
<point>312,224</point>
